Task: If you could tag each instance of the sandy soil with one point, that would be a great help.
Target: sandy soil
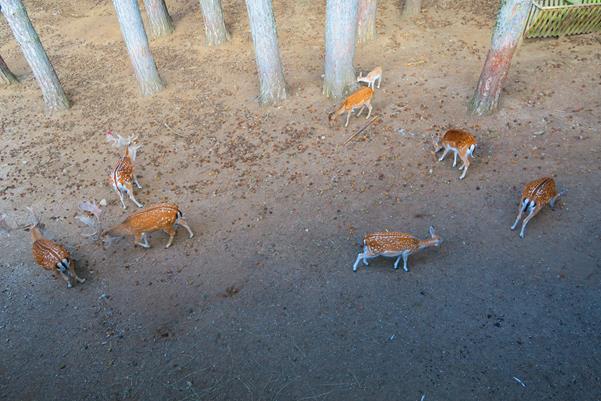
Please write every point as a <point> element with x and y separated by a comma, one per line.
<point>262,303</point>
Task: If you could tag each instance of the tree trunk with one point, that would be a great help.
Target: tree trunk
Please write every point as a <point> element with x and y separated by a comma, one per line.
<point>34,53</point>
<point>412,8</point>
<point>6,75</point>
<point>215,31</point>
<point>366,22</point>
<point>160,21</point>
<point>341,29</point>
<point>505,39</point>
<point>136,42</point>
<point>267,52</point>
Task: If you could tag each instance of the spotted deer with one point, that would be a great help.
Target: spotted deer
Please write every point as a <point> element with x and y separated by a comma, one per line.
<point>394,244</point>
<point>52,256</point>
<point>461,143</point>
<point>371,78</point>
<point>360,98</point>
<point>123,178</point>
<point>162,216</point>
<point>536,195</point>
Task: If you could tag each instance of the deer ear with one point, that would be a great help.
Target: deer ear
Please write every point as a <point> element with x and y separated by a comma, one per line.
<point>432,231</point>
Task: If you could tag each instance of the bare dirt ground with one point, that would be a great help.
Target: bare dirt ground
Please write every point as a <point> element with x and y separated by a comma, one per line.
<point>262,303</point>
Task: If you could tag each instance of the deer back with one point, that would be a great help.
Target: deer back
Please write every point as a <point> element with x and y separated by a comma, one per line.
<point>153,218</point>
<point>390,242</point>
<point>458,139</point>
<point>47,253</point>
<point>540,190</point>
<point>358,98</point>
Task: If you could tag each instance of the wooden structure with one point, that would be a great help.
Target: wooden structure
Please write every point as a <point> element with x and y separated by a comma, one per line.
<point>563,17</point>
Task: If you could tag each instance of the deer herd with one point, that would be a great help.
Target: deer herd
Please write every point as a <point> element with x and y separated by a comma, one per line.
<point>168,216</point>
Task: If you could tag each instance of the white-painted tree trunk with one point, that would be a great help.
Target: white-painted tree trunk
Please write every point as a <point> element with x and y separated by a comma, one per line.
<point>366,21</point>
<point>267,52</point>
<point>136,41</point>
<point>25,34</point>
<point>341,30</point>
<point>215,31</point>
<point>159,19</point>
<point>6,76</point>
<point>412,8</point>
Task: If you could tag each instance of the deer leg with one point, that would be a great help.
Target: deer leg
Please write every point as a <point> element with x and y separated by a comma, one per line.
<point>444,154</point>
<point>466,164</point>
<point>72,270</point>
<point>379,81</point>
<point>121,198</point>
<point>369,108</point>
<point>359,257</point>
<point>396,262</point>
<point>171,231</point>
<point>183,223</point>
<point>555,198</point>
<point>130,192</point>
<point>361,110</point>
<point>348,117</point>
<point>65,277</point>
<point>532,213</point>
<point>137,183</point>
<point>405,257</point>
<point>454,158</point>
<point>365,255</point>
<point>138,240</point>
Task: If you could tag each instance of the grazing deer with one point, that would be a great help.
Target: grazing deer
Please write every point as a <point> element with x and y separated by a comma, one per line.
<point>360,98</point>
<point>123,178</point>
<point>535,196</point>
<point>52,256</point>
<point>162,216</point>
<point>459,142</point>
<point>394,244</point>
<point>371,78</point>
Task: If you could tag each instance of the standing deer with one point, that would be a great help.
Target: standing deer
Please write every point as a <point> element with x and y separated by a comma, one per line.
<point>123,178</point>
<point>535,196</point>
<point>394,244</point>
<point>360,98</point>
<point>162,216</point>
<point>459,142</point>
<point>371,78</point>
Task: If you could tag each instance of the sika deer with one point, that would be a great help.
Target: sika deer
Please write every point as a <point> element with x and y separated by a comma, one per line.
<point>360,98</point>
<point>52,256</point>
<point>459,142</point>
<point>371,78</point>
<point>123,178</point>
<point>394,244</point>
<point>163,216</point>
<point>535,196</point>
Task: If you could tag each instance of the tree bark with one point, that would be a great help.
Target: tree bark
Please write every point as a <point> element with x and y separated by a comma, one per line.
<point>25,34</point>
<point>341,30</point>
<point>267,52</point>
<point>160,21</point>
<point>215,31</point>
<point>507,33</point>
<point>136,42</point>
<point>412,8</point>
<point>366,22</point>
<point>6,76</point>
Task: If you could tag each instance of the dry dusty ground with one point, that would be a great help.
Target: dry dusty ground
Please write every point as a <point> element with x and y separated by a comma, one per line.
<point>262,304</point>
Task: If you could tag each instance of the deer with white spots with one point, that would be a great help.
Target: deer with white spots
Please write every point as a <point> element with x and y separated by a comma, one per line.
<point>536,195</point>
<point>461,143</point>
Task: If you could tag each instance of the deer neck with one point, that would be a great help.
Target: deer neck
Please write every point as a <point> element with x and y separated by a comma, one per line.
<point>36,234</point>
<point>426,243</point>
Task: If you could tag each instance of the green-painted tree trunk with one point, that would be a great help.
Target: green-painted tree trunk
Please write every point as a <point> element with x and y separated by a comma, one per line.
<point>267,52</point>
<point>341,30</point>
<point>159,19</point>
<point>25,34</point>
<point>366,20</point>
<point>6,76</point>
<point>506,36</point>
<point>215,31</point>
<point>136,41</point>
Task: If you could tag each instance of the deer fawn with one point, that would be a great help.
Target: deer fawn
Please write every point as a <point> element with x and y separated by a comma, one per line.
<point>360,98</point>
<point>123,178</point>
<point>535,196</point>
<point>52,256</point>
<point>163,216</point>
<point>394,244</point>
<point>459,142</point>
<point>371,78</point>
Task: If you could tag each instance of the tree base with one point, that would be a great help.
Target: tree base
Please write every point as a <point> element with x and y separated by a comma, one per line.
<point>216,38</point>
<point>274,95</point>
<point>496,67</point>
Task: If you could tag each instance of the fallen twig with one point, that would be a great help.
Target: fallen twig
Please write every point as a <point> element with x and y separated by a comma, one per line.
<point>361,130</point>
